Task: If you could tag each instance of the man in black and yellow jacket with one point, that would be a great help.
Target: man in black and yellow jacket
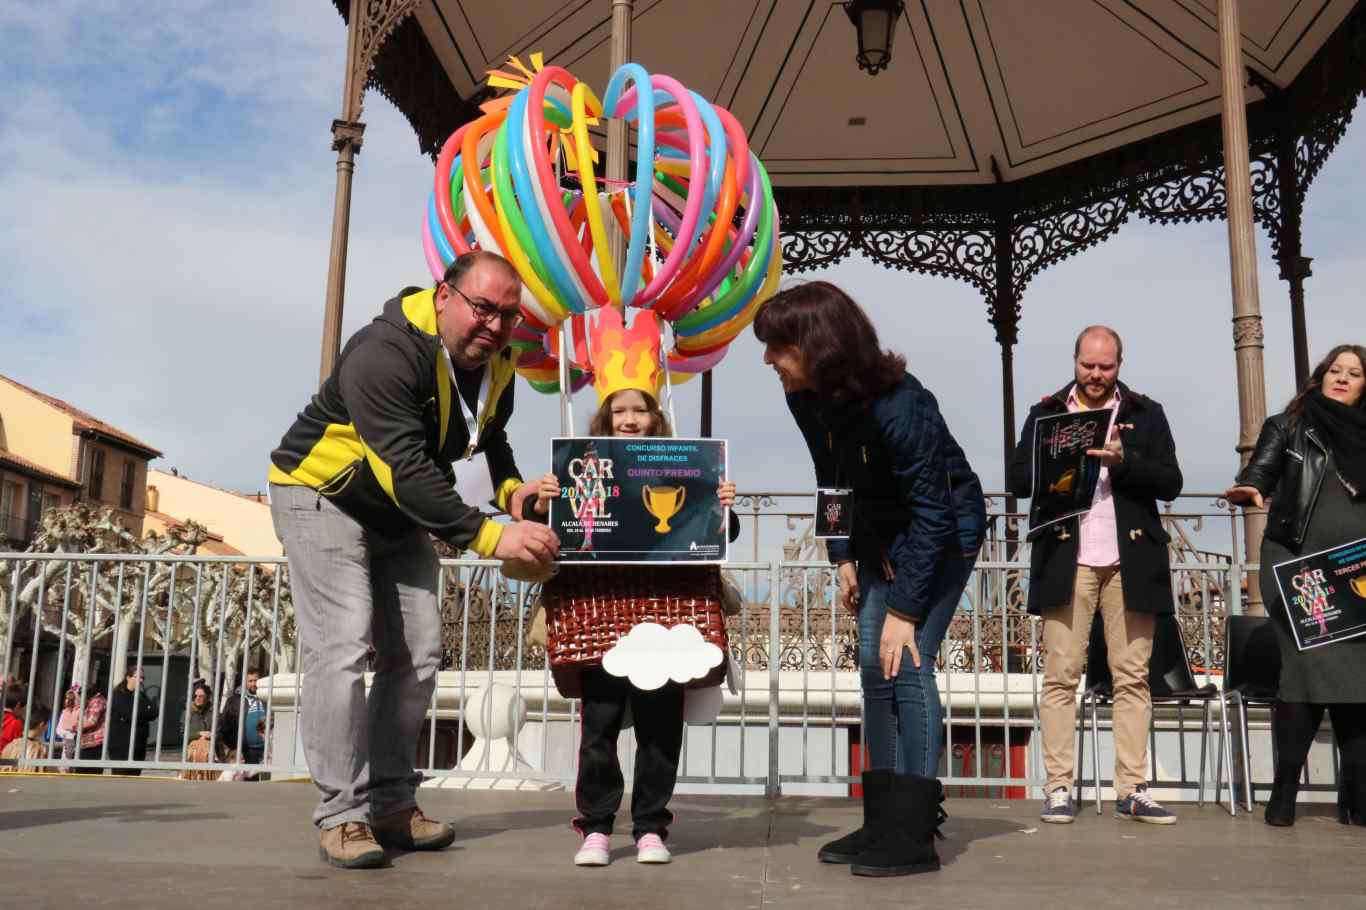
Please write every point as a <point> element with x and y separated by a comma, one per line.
<point>359,485</point>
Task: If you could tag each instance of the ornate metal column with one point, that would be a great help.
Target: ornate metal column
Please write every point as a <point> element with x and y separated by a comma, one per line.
<point>368,24</point>
<point>706,404</point>
<point>1004,309</point>
<point>346,142</point>
<point>617,148</point>
<point>1247,316</point>
<point>1005,318</point>
<point>1289,254</point>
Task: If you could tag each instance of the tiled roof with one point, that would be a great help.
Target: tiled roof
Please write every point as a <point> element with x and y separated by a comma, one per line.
<point>170,521</point>
<point>86,421</point>
<point>212,547</point>
<point>38,472</point>
<point>258,498</point>
<point>213,544</point>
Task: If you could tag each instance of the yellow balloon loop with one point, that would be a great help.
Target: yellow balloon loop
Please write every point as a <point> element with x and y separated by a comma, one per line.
<point>580,102</point>
<point>521,262</point>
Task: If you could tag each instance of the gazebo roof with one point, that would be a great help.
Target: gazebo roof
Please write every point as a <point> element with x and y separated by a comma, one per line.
<point>992,114</point>
<point>978,91</point>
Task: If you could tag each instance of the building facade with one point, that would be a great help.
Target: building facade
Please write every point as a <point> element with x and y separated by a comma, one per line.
<point>53,453</point>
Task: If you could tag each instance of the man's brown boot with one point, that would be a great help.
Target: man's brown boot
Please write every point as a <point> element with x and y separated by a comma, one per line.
<point>351,845</point>
<point>409,829</point>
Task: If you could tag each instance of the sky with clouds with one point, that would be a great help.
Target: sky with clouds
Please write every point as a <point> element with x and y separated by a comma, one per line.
<point>168,182</point>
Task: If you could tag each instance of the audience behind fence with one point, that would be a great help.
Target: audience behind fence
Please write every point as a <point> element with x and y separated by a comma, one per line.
<point>244,708</point>
<point>201,743</point>
<point>93,725</point>
<point>24,749</point>
<point>12,726</point>
<point>131,714</point>
<point>66,734</point>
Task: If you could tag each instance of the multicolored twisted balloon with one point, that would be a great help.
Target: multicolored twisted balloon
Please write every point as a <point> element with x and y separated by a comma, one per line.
<point>499,187</point>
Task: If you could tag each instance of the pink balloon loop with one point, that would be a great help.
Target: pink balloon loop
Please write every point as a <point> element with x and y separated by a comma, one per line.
<point>578,260</point>
<point>442,188</point>
<point>754,202</point>
<point>434,264</point>
<point>737,145</point>
<point>697,159</point>
<point>698,364</point>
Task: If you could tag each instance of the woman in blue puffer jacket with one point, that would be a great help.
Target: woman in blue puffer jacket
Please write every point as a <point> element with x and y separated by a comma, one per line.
<point>919,520</point>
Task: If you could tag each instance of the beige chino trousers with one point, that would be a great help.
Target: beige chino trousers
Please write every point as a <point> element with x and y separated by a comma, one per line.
<point>1129,640</point>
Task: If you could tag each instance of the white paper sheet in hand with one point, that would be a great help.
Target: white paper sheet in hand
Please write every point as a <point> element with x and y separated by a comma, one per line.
<point>473,481</point>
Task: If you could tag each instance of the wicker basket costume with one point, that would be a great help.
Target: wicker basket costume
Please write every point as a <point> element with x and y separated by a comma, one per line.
<point>588,608</point>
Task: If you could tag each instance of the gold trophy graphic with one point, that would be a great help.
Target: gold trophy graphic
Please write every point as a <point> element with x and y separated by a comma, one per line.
<point>663,503</point>
<point>1064,483</point>
<point>1359,586</point>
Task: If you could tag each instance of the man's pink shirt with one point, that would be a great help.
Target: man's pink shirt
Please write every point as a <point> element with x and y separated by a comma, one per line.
<point>1099,536</point>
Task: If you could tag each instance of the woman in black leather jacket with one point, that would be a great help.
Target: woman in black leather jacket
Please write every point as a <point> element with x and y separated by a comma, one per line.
<point>1311,461</point>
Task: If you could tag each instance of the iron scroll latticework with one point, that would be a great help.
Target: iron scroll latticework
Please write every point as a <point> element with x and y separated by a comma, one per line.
<point>399,63</point>
<point>908,230</point>
<point>1176,177</point>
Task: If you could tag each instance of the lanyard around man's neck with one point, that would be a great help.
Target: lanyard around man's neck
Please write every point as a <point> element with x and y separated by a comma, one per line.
<point>473,419</point>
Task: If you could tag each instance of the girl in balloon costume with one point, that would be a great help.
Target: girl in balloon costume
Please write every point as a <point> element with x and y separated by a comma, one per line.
<point>702,254</point>
<point>627,377</point>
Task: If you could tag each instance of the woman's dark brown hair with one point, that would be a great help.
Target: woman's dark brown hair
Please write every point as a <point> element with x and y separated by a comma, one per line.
<point>601,423</point>
<point>837,342</point>
<point>1314,383</point>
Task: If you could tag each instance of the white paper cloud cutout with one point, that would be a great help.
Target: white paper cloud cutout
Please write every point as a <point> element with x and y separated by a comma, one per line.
<point>651,655</point>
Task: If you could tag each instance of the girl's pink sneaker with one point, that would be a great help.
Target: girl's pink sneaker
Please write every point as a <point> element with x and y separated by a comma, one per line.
<point>651,849</point>
<point>594,851</point>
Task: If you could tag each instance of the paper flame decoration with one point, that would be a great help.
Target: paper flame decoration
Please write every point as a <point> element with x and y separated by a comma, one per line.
<point>702,195</point>
<point>625,358</point>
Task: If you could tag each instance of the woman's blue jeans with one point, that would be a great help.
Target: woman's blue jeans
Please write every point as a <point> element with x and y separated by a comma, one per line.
<point>903,720</point>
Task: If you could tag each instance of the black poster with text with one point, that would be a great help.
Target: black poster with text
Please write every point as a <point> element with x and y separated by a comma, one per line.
<point>639,500</point>
<point>1325,594</point>
<point>1065,476</point>
<point>834,514</point>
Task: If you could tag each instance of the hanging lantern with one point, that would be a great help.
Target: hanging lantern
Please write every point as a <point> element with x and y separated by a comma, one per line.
<point>875,21</point>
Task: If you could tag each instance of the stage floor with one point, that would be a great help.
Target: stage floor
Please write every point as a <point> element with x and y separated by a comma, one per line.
<point>68,842</point>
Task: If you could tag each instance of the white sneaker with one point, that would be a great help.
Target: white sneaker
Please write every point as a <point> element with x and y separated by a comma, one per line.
<point>1058,808</point>
<point>651,849</point>
<point>594,851</point>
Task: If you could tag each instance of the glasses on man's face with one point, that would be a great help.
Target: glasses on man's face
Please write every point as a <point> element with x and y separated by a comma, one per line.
<point>487,312</point>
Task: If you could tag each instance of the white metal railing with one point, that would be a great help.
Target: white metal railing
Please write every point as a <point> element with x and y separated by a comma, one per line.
<point>495,717</point>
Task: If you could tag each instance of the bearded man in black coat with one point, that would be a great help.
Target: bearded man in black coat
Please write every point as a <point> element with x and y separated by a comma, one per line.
<point>1112,559</point>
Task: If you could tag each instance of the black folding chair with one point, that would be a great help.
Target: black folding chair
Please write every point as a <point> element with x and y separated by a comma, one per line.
<point>1170,681</point>
<point>1252,674</point>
